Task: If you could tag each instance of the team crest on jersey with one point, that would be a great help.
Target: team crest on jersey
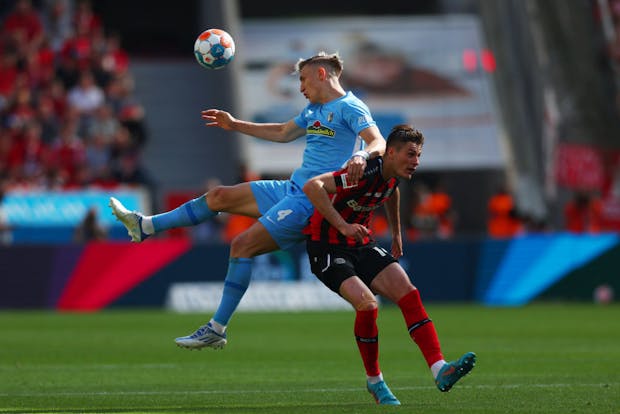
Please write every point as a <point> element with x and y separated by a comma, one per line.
<point>319,129</point>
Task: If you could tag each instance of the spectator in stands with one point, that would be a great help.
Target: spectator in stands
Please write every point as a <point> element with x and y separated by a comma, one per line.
<point>21,110</point>
<point>583,213</point>
<point>86,97</point>
<point>48,120</point>
<point>441,205</point>
<point>432,213</point>
<point>58,22</point>
<point>32,154</point>
<point>68,153</point>
<point>89,229</point>
<point>114,59</point>
<point>6,146</point>
<point>23,28</point>
<point>129,171</point>
<point>98,157</point>
<point>85,19</point>
<point>8,77</point>
<point>503,220</point>
<point>104,123</point>
<point>38,67</point>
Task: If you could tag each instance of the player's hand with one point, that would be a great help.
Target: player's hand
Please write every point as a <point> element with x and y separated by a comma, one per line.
<point>397,246</point>
<point>355,169</point>
<point>355,231</point>
<point>217,118</point>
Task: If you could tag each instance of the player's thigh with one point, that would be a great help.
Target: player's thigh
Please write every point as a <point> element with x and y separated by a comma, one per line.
<point>286,219</point>
<point>236,199</point>
<point>392,282</point>
<point>331,266</point>
<point>252,242</point>
<point>358,294</point>
<point>268,193</point>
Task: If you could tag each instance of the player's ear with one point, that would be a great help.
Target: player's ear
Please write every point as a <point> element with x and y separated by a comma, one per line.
<point>322,73</point>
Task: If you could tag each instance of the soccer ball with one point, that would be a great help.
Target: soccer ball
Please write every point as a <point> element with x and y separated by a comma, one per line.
<point>214,49</point>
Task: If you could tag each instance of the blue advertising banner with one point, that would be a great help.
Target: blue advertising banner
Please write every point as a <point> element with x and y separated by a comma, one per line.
<point>66,208</point>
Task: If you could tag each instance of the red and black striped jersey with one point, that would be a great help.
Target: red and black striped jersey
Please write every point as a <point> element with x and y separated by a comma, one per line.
<point>355,204</point>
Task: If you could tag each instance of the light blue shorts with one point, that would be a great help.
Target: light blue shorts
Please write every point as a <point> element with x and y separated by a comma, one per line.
<point>285,210</point>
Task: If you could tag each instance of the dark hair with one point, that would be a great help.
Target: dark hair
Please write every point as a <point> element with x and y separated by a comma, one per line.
<point>403,133</point>
<point>332,62</point>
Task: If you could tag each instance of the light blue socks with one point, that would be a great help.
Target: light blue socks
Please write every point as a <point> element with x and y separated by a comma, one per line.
<point>191,213</point>
<point>236,283</point>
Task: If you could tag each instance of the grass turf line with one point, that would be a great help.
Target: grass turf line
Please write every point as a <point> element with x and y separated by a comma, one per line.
<point>542,358</point>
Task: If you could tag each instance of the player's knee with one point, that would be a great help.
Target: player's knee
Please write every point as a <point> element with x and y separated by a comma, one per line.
<point>242,246</point>
<point>217,198</point>
<point>366,304</point>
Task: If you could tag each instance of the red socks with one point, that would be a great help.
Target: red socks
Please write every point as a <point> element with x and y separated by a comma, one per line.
<point>421,328</point>
<point>367,338</point>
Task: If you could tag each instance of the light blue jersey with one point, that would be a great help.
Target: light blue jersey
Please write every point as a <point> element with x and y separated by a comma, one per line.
<point>332,137</point>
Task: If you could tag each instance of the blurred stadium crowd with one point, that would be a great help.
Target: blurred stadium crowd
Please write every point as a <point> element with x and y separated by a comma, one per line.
<point>69,119</point>
<point>68,116</point>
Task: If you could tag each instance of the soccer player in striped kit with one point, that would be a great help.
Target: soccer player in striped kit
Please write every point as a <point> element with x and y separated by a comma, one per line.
<point>346,259</point>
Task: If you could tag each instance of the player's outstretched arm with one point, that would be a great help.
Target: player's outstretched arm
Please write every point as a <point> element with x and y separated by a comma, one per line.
<point>276,132</point>
<point>318,190</point>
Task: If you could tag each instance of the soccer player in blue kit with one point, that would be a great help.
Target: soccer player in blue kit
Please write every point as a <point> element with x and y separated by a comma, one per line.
<point>339,130</point>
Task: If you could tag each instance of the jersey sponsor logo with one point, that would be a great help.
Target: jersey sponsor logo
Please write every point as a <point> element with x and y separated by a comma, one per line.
<point>356,207</point>
<point>283,213</point>
<point>319,129</point>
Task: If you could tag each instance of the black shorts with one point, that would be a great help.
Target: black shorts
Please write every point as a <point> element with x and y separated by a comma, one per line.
<point>334,264</point>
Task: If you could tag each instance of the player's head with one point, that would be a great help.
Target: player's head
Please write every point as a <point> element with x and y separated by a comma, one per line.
<point>402,134</point>
<point>331,62</point>
<point>403,151</point>
<point>318,76</point>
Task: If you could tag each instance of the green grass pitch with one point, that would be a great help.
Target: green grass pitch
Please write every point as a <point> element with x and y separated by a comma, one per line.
<point>542,358</point>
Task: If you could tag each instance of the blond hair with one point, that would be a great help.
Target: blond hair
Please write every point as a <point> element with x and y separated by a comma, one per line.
<point>331,62</point>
